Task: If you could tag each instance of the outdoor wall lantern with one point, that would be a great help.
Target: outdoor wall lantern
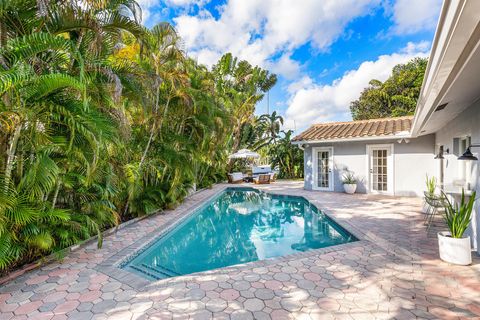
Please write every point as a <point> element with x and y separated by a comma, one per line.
<point>467,155</point>
<point>440,153</point>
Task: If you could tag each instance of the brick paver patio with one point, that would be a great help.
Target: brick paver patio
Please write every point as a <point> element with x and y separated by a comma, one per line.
<point>392,273</point>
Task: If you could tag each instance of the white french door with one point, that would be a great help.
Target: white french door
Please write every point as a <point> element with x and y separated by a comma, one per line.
<point>380,169</point>
<point>322,168</point>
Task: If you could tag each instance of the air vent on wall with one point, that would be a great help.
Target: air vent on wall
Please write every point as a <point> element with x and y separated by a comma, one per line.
<point>441,107</point>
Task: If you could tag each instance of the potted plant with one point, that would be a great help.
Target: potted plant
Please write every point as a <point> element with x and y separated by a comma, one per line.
<point>431,185</point>
<point>349,182</point>
<point>452,245</point>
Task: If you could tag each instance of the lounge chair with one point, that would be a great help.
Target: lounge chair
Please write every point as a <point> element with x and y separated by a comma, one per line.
<point>235,177</point>
<point>262,179</point>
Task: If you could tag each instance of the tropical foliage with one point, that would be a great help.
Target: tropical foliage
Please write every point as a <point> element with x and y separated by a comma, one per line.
<point>395,97</point>
<point>103,120</point>
<point>458,215</point>
<point>265,136</point>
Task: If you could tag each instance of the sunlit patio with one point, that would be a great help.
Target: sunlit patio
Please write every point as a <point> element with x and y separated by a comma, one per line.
<point>392,272</point>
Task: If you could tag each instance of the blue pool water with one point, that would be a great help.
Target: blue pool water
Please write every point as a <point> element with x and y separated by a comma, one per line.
<point>239,225</point>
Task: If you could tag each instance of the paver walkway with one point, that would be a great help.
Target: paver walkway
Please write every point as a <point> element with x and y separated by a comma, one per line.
<point>392,273</point>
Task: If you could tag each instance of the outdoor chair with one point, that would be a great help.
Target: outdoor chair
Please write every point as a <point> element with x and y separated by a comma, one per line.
<point>262,179</point>
<point>272,177</point>
<point>235,177</point>
<point>434,204</point>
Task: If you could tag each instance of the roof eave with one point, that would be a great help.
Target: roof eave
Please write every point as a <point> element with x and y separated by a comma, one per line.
<point>355,139</point>
<point>452,41</point>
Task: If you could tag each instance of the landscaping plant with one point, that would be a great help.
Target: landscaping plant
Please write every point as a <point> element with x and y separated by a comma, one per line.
<point>103,120</point>
<point>431,184</point>
<point>349,178</point>
<point>458,215</point>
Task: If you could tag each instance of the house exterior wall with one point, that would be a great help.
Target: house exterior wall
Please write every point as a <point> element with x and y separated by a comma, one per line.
<point>465,124</point>
<point>411,162</point>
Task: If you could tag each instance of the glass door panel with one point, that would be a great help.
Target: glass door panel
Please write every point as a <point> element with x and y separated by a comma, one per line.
<point>379,169</point>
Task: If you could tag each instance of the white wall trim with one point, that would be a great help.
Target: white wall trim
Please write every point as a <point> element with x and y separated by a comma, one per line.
<point>315,151</point>
<point>391,168</point>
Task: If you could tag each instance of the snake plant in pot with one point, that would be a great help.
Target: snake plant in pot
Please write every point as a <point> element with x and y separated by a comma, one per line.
<point>453,246</point>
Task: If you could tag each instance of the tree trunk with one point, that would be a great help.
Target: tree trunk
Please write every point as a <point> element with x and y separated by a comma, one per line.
<point>11,155</point>
<point>55,195</point>
<point>236,145</point>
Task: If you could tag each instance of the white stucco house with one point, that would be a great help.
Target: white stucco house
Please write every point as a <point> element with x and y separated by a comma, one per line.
<point>393,155</point>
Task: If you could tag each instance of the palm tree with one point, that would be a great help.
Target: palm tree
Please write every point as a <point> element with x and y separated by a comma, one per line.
<point>55,104</point>
<point>240,87</point>
<point>268,126</point>
<point>287,156</point>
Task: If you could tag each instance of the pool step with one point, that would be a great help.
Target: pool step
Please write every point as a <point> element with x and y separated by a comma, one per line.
<point>162,270</point>
<point>155,272</point>
<point>146,272</point>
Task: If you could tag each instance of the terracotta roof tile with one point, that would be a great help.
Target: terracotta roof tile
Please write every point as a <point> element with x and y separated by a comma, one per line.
<point>356,129</point>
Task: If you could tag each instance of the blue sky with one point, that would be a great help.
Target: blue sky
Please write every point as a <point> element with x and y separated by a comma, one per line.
<point>324,51</point>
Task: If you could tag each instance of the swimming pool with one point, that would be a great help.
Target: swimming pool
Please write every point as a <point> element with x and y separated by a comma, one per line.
<point>237,226</point>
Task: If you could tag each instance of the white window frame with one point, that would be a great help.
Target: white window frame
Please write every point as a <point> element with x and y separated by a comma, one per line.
<point>315,151</point>
<point>390,168</point>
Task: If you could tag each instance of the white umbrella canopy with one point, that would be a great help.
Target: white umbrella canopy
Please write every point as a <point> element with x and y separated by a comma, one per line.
<point>244,154</point>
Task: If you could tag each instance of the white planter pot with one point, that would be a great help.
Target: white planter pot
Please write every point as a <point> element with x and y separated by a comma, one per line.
<point>350,188</point>
<point>454,250</point>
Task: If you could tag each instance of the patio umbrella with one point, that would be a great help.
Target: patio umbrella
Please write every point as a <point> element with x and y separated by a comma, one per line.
<point>244,154</point>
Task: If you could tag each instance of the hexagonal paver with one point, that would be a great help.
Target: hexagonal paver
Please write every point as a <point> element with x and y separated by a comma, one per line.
<point>36,279</point>
<point>66,307</point>
<point>273,284</point>
<point>282,277</point>
<point>216,305</point>
<point>209,285</point>
<point>229,294</point>
<point>104,306</point>
<point>28,307</point>
<point>241,315</point>
<point>241,285</point>
<point>396,274</point>
<point>253,304</point>
<point>84,315</point>
<point>89,296</point>
<point>291,304</point>
<point>264,294</point>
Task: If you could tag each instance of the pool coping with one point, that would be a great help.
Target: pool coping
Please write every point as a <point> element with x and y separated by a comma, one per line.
<point>112,266</point>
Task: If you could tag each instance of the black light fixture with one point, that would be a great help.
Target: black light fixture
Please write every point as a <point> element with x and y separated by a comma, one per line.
<point>467,155</point>
<point>440,153</point>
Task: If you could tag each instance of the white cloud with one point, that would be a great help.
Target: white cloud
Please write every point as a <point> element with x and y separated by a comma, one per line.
<point>185,3</point>
<point>286,66</point>
<point>146,6</point>
<point>304,83</point>
<point>265,32</point>
<point>312,103</point>
<point>160,10</point>
<point>411,16</point>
